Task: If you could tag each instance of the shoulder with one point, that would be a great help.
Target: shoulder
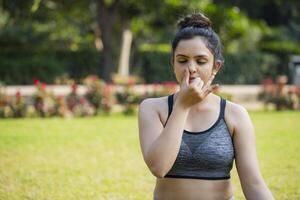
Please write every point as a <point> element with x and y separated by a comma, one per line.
<point>151,106</point>
<point>152,115</point>
<point>235,109</point>
<point>237,116</point>
<point>153,103</point>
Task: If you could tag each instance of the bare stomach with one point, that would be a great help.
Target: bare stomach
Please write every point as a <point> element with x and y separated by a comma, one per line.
<point>192,189</point>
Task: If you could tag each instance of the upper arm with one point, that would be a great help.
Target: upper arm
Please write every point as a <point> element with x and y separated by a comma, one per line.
<point>150,125</point>
<point>245,148</point>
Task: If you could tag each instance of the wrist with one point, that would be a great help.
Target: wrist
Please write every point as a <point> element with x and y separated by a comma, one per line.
<point>180,107</point>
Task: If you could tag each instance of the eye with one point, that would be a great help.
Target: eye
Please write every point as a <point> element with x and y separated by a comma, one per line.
<point>182,61</point>
<point>201,62</point>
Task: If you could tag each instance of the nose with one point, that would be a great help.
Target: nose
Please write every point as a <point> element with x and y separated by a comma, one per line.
<point>192,67</point>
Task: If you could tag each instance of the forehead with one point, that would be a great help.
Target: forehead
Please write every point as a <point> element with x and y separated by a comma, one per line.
<point>192,47</point>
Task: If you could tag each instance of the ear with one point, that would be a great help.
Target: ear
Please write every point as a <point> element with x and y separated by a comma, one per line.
<point>218,65</point>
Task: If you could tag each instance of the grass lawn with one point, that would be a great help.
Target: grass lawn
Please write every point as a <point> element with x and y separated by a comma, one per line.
<point>99,158</point>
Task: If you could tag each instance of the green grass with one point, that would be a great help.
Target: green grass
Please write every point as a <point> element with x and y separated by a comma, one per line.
<point>100,158</point>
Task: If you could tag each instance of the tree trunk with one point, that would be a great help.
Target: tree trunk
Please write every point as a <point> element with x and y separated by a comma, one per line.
<point>107,60</point>
<point>125,50</point>
<point>106,18</point>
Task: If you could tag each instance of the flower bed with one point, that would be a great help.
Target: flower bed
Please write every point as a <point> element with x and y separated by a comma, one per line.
<point>95,97</point>
<point>278,94</point>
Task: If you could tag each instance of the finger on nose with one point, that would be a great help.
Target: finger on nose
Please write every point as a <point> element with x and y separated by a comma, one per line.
<point>185,77</point>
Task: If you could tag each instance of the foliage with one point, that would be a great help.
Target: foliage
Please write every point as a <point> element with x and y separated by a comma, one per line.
<point>128,98</point>
<point>99,94</point>
<point>95,88</point>
<point>18,106</point>
<point>47,66</point>
<point>52,38</point>
<point>154,67</point>
<point>44,102</point>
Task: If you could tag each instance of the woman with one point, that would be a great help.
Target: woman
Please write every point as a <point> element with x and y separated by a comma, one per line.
<point>188,139</point>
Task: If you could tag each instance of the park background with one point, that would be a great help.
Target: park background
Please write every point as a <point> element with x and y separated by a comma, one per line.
<point>72,74</point>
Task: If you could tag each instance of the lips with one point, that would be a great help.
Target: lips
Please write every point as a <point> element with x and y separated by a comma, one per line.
<point>191,79</point>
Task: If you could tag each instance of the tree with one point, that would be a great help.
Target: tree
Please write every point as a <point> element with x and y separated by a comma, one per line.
<point>106,16</point>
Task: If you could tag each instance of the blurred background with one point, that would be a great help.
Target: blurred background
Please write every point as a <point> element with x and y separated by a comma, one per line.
<point>48,42</point>
<point>69,59</point>
<point>51,42</point>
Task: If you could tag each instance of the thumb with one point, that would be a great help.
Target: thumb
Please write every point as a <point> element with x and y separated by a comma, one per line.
<point>185,78</point>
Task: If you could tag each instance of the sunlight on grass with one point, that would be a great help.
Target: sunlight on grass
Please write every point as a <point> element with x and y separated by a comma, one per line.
<point>99,158</point>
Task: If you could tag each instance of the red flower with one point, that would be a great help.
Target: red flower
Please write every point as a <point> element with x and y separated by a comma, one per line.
<point>36,81</point>
<point>82,101</point>
<point>74,87</point>
<point>170,84</point>
<point>267,81</point>
<point>43,87</point>
<point>131,82</point>
<point>18,94</point>
<point>93,77</point>
<point>297,90</point>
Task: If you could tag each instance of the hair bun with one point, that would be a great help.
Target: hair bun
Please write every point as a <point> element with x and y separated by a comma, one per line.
<point>194,20</point>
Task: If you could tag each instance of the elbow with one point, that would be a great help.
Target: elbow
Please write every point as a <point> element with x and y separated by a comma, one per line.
<point>158,168</point>
<point>157,172</point>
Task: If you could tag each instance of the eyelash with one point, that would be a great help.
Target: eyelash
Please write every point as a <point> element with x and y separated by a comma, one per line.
<point>197,62</point>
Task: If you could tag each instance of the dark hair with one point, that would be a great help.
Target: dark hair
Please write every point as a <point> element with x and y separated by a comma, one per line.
<point>198,25</point>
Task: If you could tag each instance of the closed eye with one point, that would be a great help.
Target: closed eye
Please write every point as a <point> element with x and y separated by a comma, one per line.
<point>201,62</point>
<point>182,61</point>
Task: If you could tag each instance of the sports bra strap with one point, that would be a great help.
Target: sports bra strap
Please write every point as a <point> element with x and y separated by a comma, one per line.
<point>223,104</point>
<point>170,106</point>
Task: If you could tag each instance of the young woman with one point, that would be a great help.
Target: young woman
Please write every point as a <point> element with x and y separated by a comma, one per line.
<point>190,139</point>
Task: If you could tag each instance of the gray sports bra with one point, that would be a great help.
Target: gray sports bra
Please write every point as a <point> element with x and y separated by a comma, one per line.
<point>207,154</point>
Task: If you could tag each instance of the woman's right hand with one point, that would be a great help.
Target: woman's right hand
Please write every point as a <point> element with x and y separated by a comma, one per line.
<point>194,92</point>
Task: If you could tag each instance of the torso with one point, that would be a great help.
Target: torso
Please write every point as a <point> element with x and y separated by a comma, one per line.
<point>192,189</point>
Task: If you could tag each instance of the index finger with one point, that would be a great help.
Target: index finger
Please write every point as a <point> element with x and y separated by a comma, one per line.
<point>185,78</point>
<point>210,80</point>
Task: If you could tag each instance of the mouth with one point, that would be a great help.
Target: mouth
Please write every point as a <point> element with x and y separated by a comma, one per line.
<point>191,79</point>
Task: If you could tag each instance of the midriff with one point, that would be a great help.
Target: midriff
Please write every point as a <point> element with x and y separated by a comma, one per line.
<point>192,189</point>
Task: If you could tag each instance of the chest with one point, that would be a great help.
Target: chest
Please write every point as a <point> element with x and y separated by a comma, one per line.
<point>207,154</point>
<point>193,123</point>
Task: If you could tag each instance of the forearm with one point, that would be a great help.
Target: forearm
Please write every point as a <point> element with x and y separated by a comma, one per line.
<point>163,152</point>
<point>258,192</point>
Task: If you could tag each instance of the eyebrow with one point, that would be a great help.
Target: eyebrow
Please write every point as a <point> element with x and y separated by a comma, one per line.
<point>201,55</point>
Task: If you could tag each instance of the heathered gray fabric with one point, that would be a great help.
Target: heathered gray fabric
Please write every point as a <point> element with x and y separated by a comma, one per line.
<point>207,154</point>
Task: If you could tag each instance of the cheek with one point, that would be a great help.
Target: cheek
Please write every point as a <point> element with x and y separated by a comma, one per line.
<point>179,72</point>
<point>178,75</point>
<point>205,73</point>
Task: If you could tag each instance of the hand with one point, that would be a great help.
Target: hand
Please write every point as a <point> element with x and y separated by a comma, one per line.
<point>196,91</point>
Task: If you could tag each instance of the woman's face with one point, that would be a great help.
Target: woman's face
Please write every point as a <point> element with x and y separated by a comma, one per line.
<point>192,54</point>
